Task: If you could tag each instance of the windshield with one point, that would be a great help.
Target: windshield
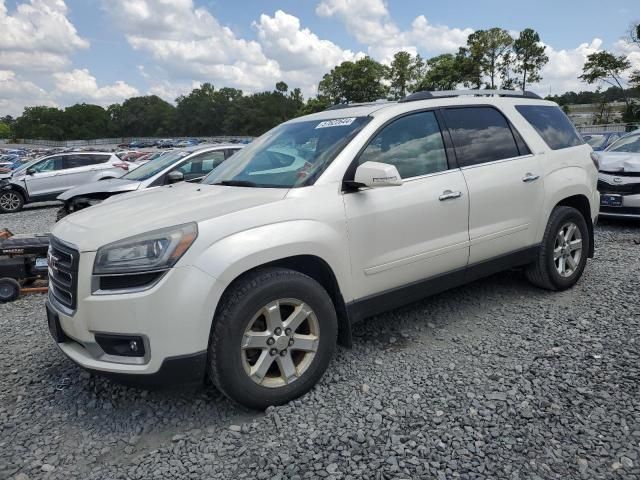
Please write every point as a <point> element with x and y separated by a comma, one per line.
<point>629,144</point>
<point>595,140</point>
<point>149,169</point>
<point>290,155</point>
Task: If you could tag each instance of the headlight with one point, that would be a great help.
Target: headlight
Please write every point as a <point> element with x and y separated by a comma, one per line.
<point>157,250</point>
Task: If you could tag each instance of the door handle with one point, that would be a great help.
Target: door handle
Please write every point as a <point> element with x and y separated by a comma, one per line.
<point>448,195</point>
<point>530,177</point>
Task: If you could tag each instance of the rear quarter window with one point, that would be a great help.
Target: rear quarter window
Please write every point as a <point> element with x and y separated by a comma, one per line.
<point>552,124</point>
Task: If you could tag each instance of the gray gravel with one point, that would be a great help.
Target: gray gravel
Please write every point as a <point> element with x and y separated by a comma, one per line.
<point>493,380</point>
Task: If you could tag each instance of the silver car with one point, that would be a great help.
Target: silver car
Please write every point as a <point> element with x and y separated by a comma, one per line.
<point>188,164</point>
<point>619,178</point>
<point>46,178</point>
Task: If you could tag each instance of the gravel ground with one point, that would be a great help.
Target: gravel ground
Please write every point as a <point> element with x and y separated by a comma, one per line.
<point>492,380</point>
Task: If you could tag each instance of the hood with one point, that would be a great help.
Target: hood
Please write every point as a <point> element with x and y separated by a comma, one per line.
<point>619,162</point>
<point>151,209</point>
<point>112,185</point>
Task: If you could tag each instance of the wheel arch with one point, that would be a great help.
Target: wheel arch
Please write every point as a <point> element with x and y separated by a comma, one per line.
<point>317,268</point>
<point>21,190</point>
<point>581,203</point>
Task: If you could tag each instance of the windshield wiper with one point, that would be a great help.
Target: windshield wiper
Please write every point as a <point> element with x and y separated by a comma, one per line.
<point>236,183</point>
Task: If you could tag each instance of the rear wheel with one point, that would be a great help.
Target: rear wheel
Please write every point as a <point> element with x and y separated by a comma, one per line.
<point>11,201</point>
<point>563,253</point>
<point>274,334</point>
<point>9,290</point>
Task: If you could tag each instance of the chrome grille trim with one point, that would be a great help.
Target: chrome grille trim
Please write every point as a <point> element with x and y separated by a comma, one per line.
<point>63,262</point>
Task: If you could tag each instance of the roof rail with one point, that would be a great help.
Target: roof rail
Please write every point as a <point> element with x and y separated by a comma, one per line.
<point>340,106</point>
<point>426,95</point>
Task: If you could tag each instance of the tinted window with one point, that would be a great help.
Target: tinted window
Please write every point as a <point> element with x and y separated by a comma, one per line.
<point>412,143</point>
<point>480,135</point>
<point>74,161</point>
<point>48,165</point>
<point>552,125</point>
<point>201,165</point>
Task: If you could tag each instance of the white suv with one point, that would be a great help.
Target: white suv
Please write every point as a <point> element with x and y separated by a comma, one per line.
<point>253,275</point>
<point>46,178</point>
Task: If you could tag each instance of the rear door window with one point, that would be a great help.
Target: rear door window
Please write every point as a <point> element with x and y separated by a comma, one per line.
<point>481,135</point>
<point>552,124</point>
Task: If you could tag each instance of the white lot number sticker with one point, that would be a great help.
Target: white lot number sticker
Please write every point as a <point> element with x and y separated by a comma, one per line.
<point>338,122</point>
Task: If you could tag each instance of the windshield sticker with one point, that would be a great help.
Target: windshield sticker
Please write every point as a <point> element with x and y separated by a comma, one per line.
<point>338,122</point>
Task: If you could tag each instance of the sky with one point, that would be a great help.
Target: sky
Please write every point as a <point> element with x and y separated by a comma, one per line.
<point>61,52</point>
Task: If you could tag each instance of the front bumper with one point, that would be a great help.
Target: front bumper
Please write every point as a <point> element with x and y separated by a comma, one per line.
<point>627,187</point>
<point>173,317</point>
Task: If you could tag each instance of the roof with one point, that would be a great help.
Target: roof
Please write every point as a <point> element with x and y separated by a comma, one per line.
<point>470,97</point>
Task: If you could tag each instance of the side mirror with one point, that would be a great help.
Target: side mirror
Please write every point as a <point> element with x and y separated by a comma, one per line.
<point>376,174</point>
<point>174,177</point>
<point>31,171</point>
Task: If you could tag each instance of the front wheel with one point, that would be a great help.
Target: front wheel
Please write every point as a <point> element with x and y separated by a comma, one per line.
<point>11,201</point>
<point>273,337</point>
<point>563,252</point>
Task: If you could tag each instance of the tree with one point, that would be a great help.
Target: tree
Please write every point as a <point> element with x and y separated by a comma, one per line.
<point>360,81</point>
<point>5,130</point>
<point>529,57</point>
<point>203,110</point>
<point>488,48</point>
<point>468,64</point>
<point>634,33</point>
<point>606,67</point>
<point>40,122</point>
<point>443,73</point>
<point>404,73</point>
<point>143,116</point>
<point>83,121</point>
<point>257,113</point>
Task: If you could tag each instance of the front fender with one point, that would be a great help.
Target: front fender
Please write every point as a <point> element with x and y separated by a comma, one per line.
<point>230,257</point>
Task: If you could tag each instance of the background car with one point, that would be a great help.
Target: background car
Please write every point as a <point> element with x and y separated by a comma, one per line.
<point>189,164</point>
<point>619,178</point>
<point>46,178</point>
<point>601,140</point>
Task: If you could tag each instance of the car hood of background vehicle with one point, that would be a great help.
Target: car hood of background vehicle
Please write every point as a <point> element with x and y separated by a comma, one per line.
<point>138,212</point>
<point>619,162</point>
<point>112,185</point>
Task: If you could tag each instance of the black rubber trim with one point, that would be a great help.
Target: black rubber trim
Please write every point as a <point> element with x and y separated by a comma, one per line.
<point>397,297</point>
<point>179,371</point>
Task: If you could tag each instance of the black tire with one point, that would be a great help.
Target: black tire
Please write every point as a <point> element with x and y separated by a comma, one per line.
<point>239,305</point>
<point>11,201</point>
<point>543,272</point>
<point>61,213</point>
<point>9,290</point>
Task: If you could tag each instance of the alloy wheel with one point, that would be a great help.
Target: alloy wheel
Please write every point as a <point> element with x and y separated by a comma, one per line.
<point>280,342</point>
<point>9,201</point>
<point>567,251</point>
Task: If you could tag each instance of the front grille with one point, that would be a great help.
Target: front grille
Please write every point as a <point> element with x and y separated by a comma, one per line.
<point>619,189</point>
<point>63,273</point>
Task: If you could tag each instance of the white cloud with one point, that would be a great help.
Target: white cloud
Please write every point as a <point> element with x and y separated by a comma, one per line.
<point>37,36</point>
<point>79,85</point>
<point>189,43</point>
<point>16,92</point>
<point>370,23</point>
